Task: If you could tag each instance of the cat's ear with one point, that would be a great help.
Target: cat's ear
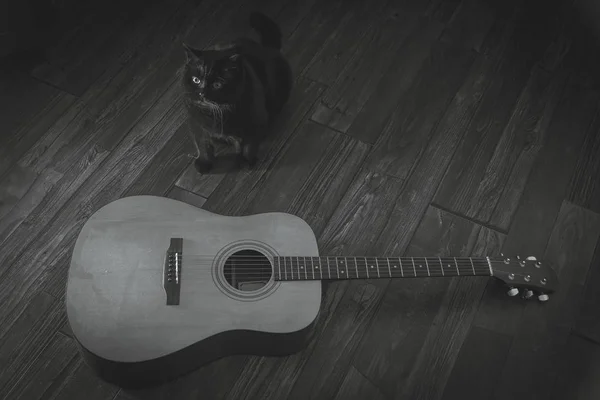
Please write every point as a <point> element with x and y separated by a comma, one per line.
<point>191,53</point>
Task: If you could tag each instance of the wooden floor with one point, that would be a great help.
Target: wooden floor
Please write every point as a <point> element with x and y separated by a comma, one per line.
<point>461,127</point>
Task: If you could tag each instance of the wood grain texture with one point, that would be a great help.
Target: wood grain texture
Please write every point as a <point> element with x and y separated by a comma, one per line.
<point>425,332</point>
<point>358,80</point>
<point>493,161</point>
<point>37,380</point>
<point>470,24</point>
<point>544,330</point>
<point>576,378</point>
<point>81,379</point>
<point>478,365</point>
<point>356,387</point>
<point>329,180</point>
<point>588,321</point>
<point>23,99</point>
<point>340,47</point>
<point>311,32</point>
<point>542,198</point>
<point>584,188</point>
<point>33,190</point>
<point>411,126</point>
<point>428,171</point>
<point>113,36</point>
<point>394,85</point>
<point>293,166</point>
<point>18,138</point>
<point>25,339</point>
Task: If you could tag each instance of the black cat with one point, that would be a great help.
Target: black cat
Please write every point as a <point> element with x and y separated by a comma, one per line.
<point>234,90</point>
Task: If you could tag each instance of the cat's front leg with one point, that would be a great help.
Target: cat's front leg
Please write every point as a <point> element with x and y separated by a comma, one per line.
<point>206,156</point>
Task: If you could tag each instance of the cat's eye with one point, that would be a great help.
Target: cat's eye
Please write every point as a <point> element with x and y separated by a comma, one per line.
<point>217,85</point>
<point>196,80</point>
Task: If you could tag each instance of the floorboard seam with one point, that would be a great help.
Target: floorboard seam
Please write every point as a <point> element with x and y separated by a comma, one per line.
<point>473,220</point>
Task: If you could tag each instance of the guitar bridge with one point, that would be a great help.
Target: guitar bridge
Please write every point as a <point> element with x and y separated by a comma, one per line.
<point>172,271</point>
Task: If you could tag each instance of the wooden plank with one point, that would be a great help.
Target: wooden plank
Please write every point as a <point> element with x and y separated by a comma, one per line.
<point>81,380</point>
<point>318,199</point>
<point>114,34</point>
<point>443,10</point>
<point>307,39</point>
<point>541,200</point>
<point>545,327</point>
<point>22,98</point>
<point>413,123</point>
<point>279,185</point>
<point>497,153</point>
<point>478,366</point>
<point>394,85</point>
<point>290,16</point>
<point>520,153</point>
<point>13,188</point>
<point>343,43</point>
<point>42,372</point>
<point>588,320</point>
<point>428,172</point>
<point>359,78</point>
<point>37,187</point>
<point>579,371</point>
<point>357,387</point>
<point>470,24</point>
<point>25,338</point>
<point>414,340</point>
<point>584,188</point>
<point>239,185</point>
<point>187,197</point>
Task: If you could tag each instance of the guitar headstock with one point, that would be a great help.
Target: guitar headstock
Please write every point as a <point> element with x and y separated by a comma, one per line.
<point>527,275</point>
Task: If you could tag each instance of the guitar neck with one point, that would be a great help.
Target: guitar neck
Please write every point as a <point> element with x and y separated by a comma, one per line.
<point>325,268</point>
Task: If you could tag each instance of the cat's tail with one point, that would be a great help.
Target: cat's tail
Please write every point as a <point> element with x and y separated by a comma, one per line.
<point>270,34</point>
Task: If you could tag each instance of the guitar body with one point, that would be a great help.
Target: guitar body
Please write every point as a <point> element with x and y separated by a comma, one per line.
<point>116,301</point>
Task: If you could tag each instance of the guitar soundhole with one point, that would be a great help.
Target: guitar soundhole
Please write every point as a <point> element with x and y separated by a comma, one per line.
<point>247,270</point>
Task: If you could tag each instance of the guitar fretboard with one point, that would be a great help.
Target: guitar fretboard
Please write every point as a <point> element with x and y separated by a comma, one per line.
<point>323,268</point>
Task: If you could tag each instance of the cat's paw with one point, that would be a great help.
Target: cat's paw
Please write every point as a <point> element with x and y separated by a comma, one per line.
<point>202,166</point>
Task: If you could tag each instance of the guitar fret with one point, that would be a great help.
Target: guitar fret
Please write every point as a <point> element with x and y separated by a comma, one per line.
<point>401,267</point>
<point>356,267</point>
<point>427,265</point>
<point>337,267</point>
<point>441,266</point>
<point>377,264</point>
<point>367,267</point>
<point>304,267</point>
<point>389,268</point>
<point>312,264</point>
<point>328,268</point>
<point>414,267</point>
<point>456,263</point>
<point>472,266</point>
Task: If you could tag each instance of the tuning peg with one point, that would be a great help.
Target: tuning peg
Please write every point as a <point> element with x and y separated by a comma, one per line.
<point>528,294</point>
<point>512,291</point>
<point>543,297</point>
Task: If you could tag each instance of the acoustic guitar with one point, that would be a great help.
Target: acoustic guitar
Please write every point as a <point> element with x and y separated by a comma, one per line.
<point>157,287</point>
